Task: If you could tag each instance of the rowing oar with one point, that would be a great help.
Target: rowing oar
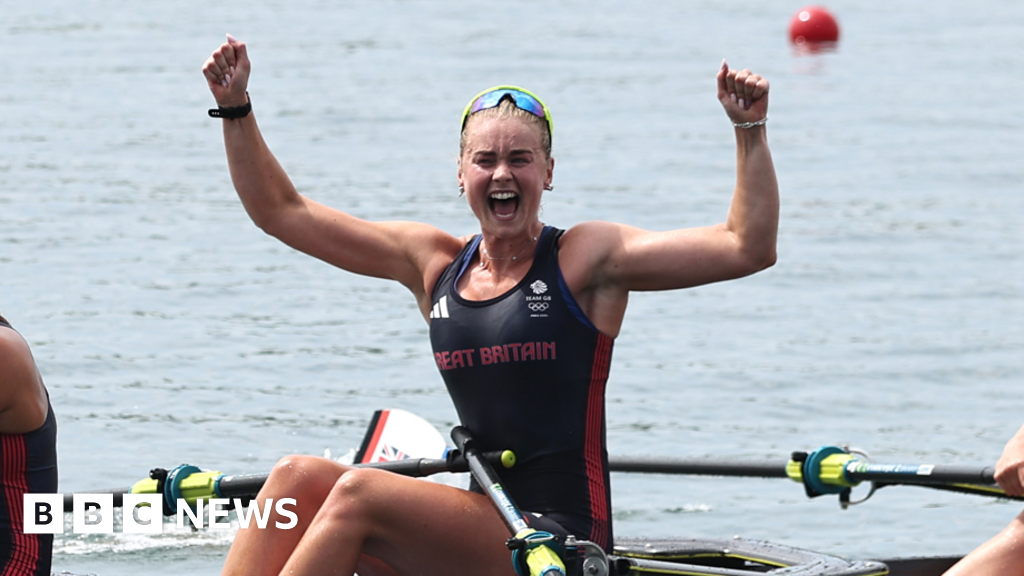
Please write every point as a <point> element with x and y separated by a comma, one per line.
<point>191,484</point>
<point>830,470</point>
<point>531,553</point>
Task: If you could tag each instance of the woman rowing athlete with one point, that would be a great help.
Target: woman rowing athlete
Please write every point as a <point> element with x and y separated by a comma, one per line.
<point>1003,555</point>
<point>522,319</point>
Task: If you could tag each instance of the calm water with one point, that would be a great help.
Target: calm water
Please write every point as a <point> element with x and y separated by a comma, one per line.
<point>171,330</point>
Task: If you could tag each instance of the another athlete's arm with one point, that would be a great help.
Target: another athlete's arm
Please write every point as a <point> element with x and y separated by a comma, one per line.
<point>402,251</point>
<point>1003,555</point>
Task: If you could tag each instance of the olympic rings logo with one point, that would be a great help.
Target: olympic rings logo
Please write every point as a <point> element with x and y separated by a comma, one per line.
<point>538,306</point>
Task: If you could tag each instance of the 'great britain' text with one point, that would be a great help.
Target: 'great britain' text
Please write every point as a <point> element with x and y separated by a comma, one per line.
<point>516,352</point>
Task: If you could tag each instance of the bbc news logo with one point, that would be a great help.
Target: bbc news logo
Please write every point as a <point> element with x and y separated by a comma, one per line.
<point>143,513</point>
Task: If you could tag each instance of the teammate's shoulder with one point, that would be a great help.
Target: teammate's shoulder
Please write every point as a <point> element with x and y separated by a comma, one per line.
<point>11,342</point>
<point>20,370</point>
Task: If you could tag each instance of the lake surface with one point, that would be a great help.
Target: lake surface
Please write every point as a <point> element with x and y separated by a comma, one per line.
<point>169,329</point>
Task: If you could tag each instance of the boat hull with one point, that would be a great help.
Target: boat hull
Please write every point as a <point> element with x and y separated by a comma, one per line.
<point>742,556</point>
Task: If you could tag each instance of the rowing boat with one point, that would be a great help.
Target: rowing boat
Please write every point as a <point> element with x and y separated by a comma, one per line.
<point>744,556</point>
<point>396,440</point>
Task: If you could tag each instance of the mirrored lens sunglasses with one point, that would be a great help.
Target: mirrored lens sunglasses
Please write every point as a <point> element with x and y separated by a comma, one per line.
<point>523,99</point>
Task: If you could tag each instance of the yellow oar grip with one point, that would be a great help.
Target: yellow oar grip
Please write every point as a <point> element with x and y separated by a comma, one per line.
<point>540,559</point>
<point>191,487</point>
<point>795,471</point>
<point>833,470</point>
<point>199,485</point>
<point>147,486</point>
<point>822,471</point>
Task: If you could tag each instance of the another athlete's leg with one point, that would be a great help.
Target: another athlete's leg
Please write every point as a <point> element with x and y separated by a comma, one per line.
<point>415,527</point>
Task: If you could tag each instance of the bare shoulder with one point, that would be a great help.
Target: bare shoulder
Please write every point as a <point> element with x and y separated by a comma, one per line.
<point>21,387</point>
<point>16,358</point>
<point>596,244</point>
<point>425,236</point>
<point>428,246</point>
<point>599,227</point>
<point>429,251</point>
<point>13,348</point>
<point>587,250</point>
<point>594,237</point>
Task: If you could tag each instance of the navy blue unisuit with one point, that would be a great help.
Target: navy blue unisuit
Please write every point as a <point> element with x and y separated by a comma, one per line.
<point>527,373</point>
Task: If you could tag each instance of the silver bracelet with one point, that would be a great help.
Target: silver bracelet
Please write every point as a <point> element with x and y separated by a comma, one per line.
<point>760,122</point>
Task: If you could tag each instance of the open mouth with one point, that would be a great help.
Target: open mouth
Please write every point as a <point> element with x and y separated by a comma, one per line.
<point>504,204</point>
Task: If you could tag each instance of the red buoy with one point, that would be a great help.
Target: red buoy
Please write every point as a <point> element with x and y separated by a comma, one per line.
<point>813,25</point>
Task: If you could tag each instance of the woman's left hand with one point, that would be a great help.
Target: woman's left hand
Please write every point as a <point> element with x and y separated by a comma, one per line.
<point>1010,468</point>
<point>743,94</point>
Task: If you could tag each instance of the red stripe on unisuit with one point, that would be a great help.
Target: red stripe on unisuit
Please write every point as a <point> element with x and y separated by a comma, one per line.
<point>25,547</point>
<point>599,531</point>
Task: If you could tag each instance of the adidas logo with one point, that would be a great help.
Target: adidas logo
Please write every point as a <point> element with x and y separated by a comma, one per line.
<point>440,309</point>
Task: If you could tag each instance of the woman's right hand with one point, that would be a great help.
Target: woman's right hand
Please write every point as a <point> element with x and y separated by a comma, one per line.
<point>743,94</point>
<point>227,73</point>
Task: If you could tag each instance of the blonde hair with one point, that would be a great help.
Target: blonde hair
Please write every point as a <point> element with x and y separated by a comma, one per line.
<point>507,109</point>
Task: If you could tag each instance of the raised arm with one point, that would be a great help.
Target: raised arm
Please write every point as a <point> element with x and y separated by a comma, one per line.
<point>408,252</point>
<point>607,260</point>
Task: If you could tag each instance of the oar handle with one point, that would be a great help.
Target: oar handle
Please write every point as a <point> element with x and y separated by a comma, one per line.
<point>698,467</point>
<point>69,499</point>
<point>250,484</point>
<point>827,470</point>
<point>216,485</point>
<point>488,480</point>
<point>834,470</point>
<point>920,473</point>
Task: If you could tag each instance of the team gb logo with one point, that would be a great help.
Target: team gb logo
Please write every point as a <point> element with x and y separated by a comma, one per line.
<point>539,287</point>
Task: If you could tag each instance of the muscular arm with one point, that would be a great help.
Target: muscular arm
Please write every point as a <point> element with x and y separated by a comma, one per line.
<point>22,396</point>
<point>408,252</point>
<point>604,261</point>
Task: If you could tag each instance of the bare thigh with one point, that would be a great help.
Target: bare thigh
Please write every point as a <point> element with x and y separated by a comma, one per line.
<point>412,526</point>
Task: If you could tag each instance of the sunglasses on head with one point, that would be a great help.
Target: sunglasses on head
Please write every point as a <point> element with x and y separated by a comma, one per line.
<point>523,99</point>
